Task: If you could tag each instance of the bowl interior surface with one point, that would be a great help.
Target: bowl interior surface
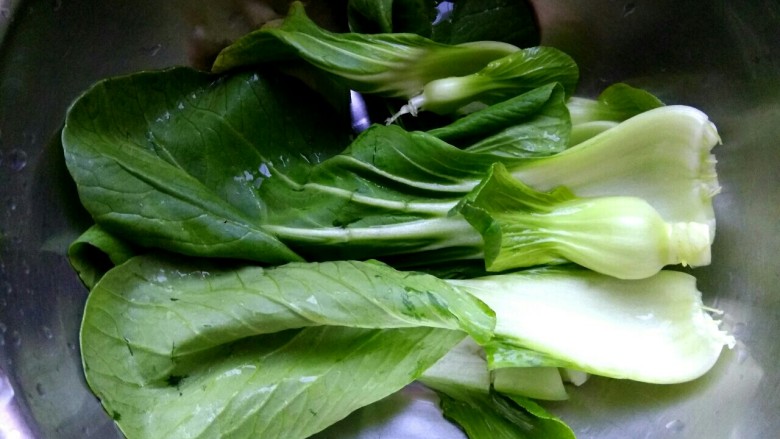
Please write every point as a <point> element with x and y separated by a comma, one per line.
<point>719,56</point>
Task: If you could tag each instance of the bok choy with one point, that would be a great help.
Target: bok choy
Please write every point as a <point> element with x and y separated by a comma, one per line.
<point>436,77</point>
<point>194,171</point>
<point>299,346</point>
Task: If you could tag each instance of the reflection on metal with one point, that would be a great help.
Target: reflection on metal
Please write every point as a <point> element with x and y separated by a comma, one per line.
<point>358,111</point>
<point>7,13</point>
<point>443,11</point>
<point>12,426</point>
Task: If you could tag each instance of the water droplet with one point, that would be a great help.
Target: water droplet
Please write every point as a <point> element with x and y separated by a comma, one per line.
<point>71,346</point>
<point>629,9</point>
<point>57,5</point>
<point>16,339</point>
<point>153,50</point>
<point>742,355</point>
<point>11,205</point>
<point>17,159</point>
<point>739,330</point>
<point>39,389</point>
<point>47,332</point>
<point>5,13</point>
<point>161,277</point>
<point>675,426</point>
<point>264,170</point>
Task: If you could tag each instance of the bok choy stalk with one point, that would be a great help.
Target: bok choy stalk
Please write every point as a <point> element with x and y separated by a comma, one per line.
<point>475,397</point>
<point>662,155</point>
<point>522,228</point>
<point>465,368</point>
<point>499,80</point>
<point>653,330</point>
<point>435,77</point>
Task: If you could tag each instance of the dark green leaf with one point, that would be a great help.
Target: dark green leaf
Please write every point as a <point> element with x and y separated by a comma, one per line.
<point>510,21</point>
<point>533,124</point>
<point>554,427</point>
<point>370,17</point>
<point>493,416</point>
<point>388,16</point>
<point>240,167</point>
<point>396,65</point>
<point>172,159</point>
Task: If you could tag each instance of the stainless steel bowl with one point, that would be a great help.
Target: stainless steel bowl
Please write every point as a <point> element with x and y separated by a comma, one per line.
<point>720,56</point>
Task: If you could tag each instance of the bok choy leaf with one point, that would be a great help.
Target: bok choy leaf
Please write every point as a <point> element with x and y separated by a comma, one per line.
<point>497,416</point>
<point>185,349</point>
<point>172,159</point>
<point>396,65</point>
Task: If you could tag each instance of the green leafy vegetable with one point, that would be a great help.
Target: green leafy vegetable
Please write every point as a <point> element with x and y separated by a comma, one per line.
<point>341,293</point>
<point>662,156</point>
<point>620,236</point>
<point>178,349</point>
<point>397,65</point>
<point>388,16</point>
<point>161,334</point>
<point>542,383</point>
<point>435,77</point>
<point>230,185</point>
<point>511,21</point>
<point>176,156</point>
<point>500,79</point>
<point>615,104</point>
<point>496,416</point>
<point>533,124</point>
<point>283,385</point>
<point>95,252</point>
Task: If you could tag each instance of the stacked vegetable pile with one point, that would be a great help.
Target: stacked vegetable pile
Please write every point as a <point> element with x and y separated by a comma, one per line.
<point>257,269</point>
